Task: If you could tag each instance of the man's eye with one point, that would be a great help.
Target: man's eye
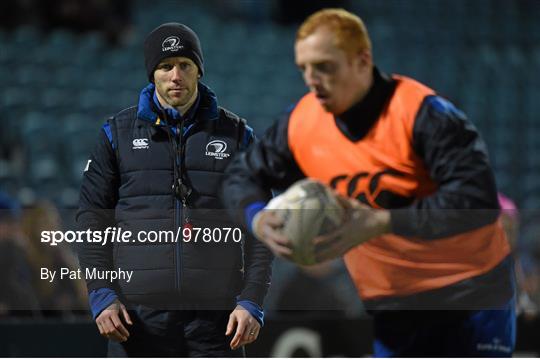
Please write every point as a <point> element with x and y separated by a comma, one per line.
<point>165,67</point>
<point>325,67</point>
<point>185,66</point>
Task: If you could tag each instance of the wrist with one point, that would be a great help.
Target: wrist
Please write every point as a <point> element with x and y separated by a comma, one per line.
<point>254,310</point>
<point>383,221</point>
<point>370,223</point>
<point>255,223</point>
<point>100,299</point>
<point>252,214</point>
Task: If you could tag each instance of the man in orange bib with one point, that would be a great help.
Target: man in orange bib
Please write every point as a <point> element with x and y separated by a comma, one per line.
<point>427,254</point>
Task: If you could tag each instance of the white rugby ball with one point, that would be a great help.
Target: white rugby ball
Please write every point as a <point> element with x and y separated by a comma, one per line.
<point>309,209</point>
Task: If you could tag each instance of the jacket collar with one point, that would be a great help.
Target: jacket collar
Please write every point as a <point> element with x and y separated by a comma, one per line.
<point>205,108</point>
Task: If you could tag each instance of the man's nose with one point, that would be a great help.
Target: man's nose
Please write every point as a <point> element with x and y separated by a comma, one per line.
<point>311,78</point>
<point>176,73</point>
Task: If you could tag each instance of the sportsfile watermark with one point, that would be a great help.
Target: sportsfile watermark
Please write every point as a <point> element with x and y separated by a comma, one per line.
<point>469,234</point>
<point>118,235</point>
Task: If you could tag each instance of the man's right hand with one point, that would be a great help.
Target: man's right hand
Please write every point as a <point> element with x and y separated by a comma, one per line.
<point>266,227</point>
<point>109,323</point>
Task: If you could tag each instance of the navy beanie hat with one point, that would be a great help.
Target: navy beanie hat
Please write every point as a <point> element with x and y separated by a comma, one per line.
<point>169,40</point>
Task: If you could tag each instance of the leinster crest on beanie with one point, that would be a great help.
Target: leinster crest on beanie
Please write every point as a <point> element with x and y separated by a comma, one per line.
<point>169,40</point>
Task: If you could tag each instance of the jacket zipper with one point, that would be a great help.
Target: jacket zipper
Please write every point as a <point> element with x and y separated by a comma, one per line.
<point>181,212</point>
<point>177,215</point>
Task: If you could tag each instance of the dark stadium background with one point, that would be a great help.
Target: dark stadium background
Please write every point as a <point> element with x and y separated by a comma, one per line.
<point>66,65</point>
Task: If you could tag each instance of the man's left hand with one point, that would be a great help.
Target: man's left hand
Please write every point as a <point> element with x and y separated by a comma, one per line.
<point>363,224</point>
<point>247,327</point>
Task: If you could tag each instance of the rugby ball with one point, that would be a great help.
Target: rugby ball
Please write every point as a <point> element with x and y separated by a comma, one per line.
<point>308,209</point>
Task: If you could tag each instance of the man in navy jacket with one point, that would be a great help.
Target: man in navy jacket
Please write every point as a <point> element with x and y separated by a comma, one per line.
<point>158,166</point>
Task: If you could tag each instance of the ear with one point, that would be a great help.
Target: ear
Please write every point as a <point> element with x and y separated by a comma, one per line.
<point>366,58</point>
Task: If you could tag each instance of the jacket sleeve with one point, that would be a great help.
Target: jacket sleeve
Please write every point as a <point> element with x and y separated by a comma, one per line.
<point>267,165</point>
<point>258,270</point>
<point>257,261</point>
<point>457,160</point>
<point>98,197</point>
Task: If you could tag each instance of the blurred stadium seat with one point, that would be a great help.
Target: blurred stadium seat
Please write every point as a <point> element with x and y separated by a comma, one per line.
<point>483,57</point>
